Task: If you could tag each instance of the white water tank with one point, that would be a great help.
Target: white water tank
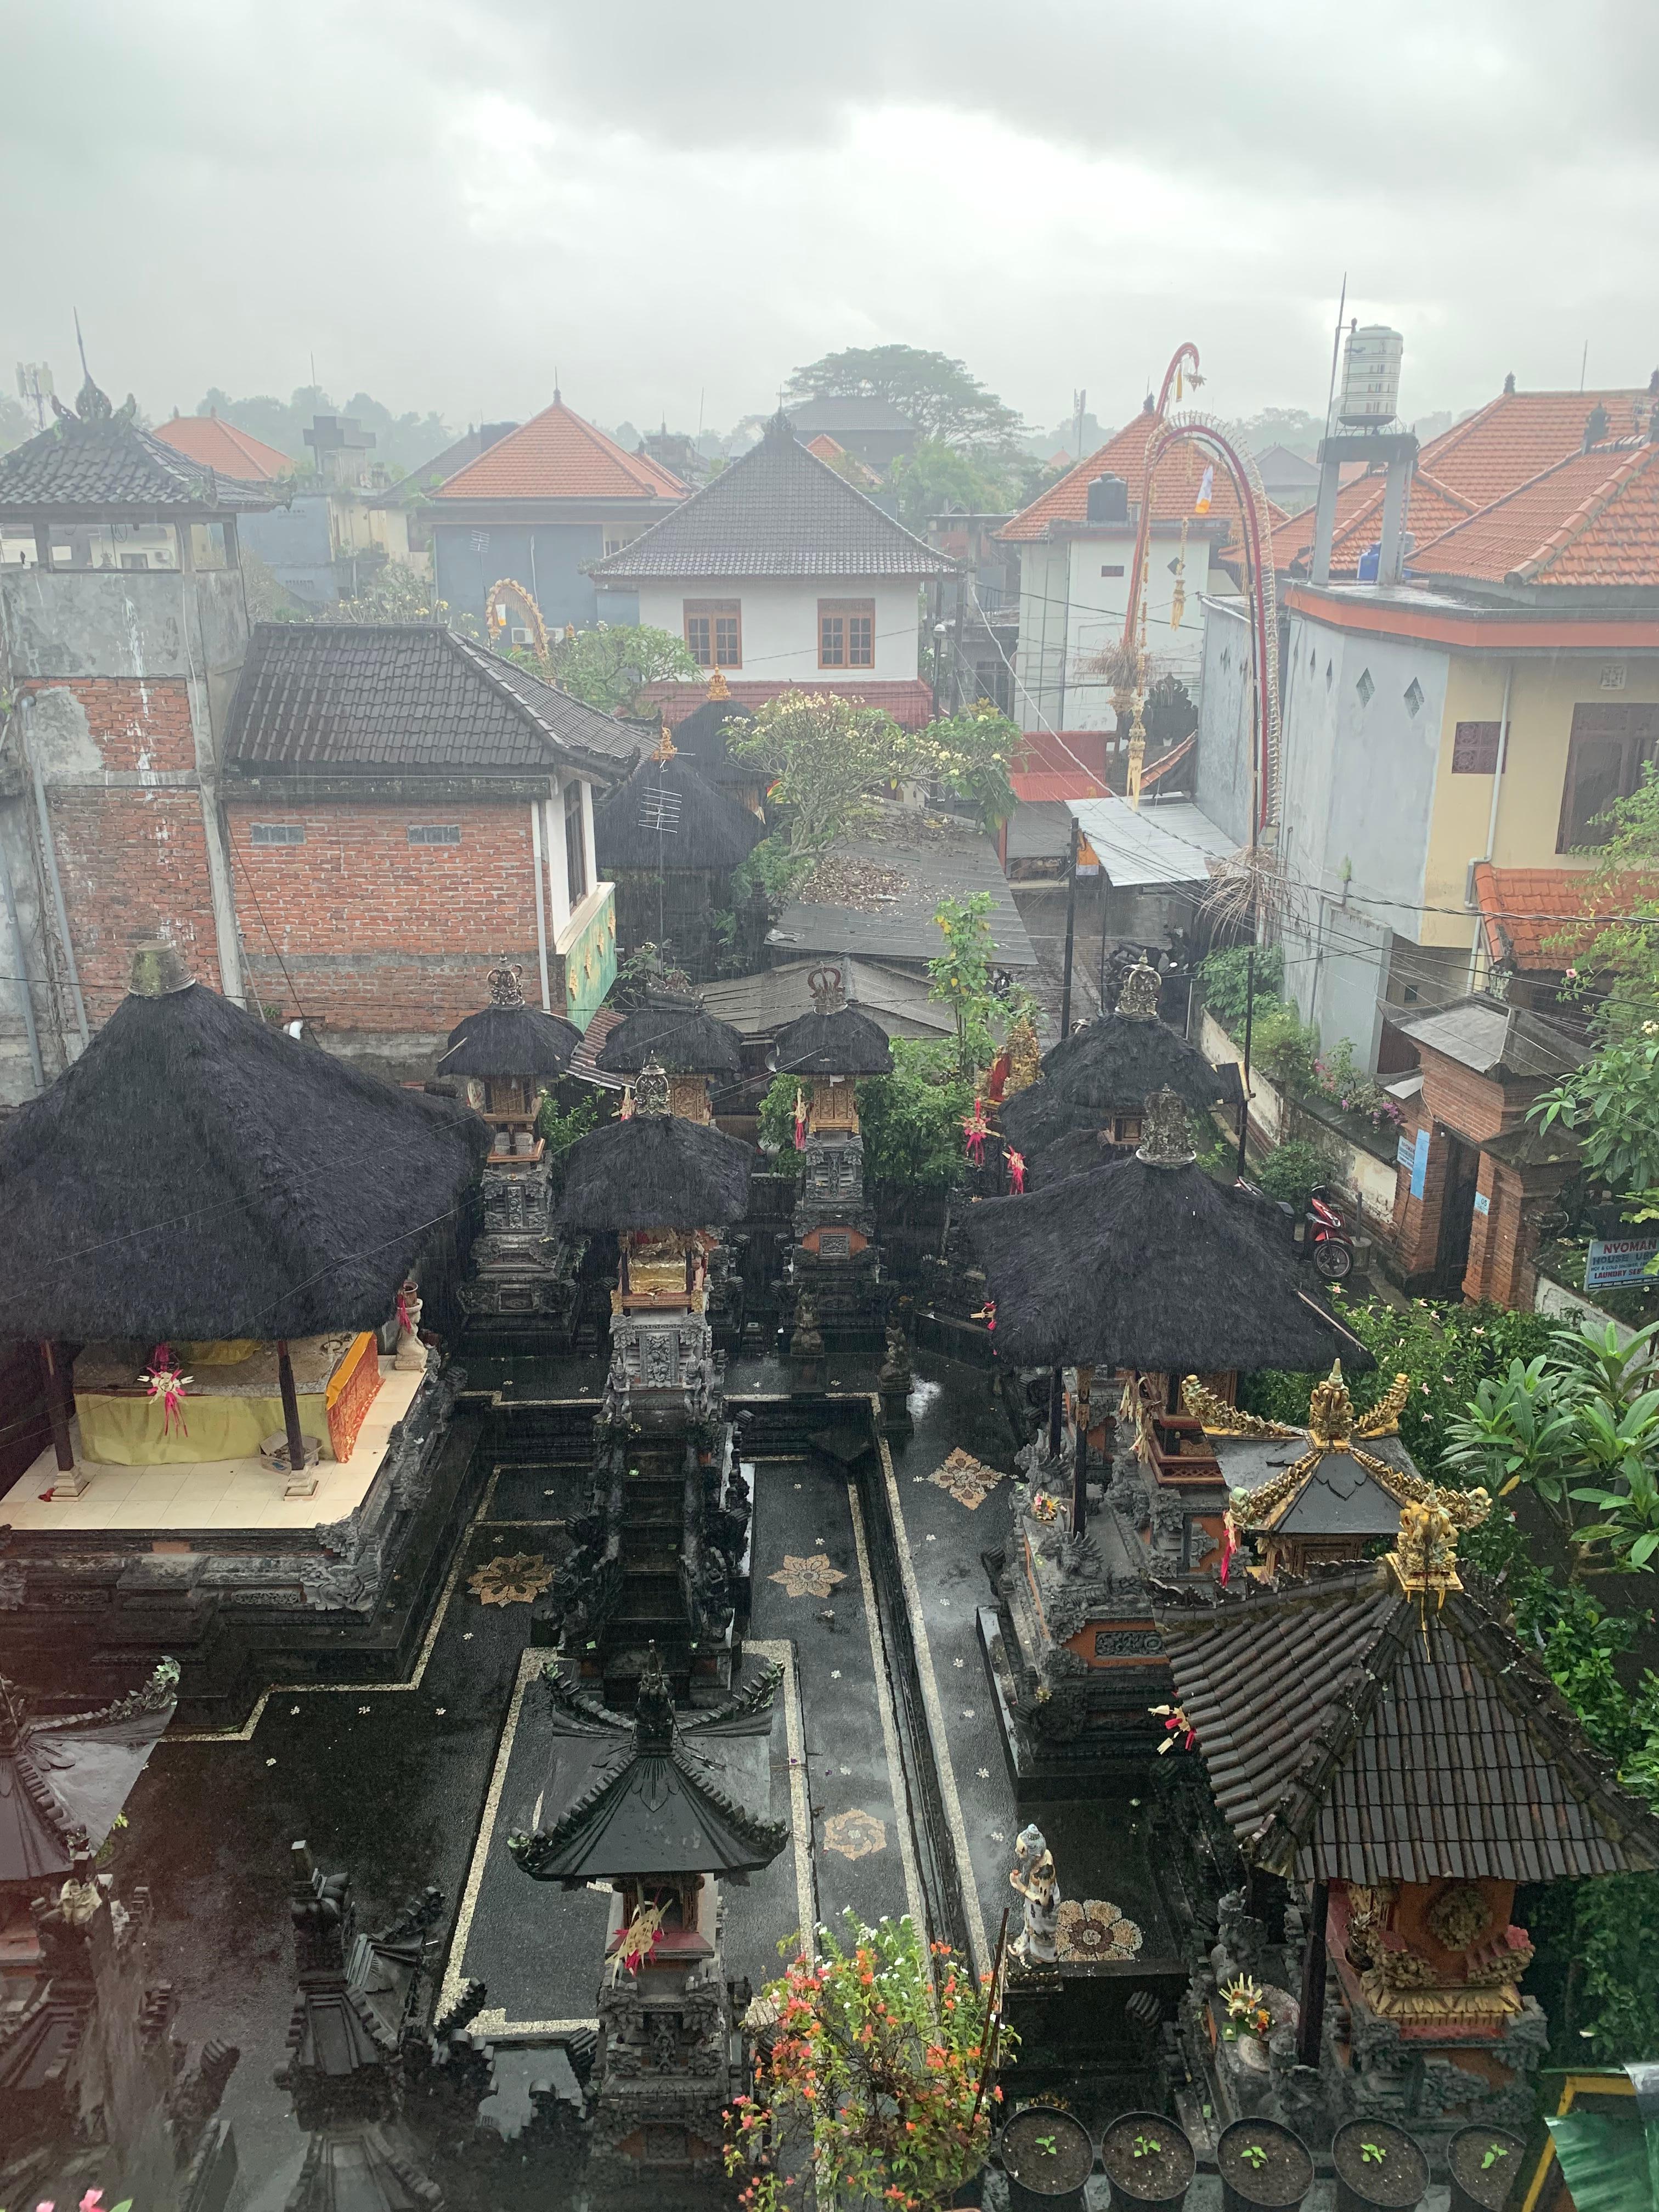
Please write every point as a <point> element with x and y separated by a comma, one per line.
<point>1371,377</point>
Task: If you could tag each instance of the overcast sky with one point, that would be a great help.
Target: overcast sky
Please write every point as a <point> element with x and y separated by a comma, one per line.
<point>674,202</point>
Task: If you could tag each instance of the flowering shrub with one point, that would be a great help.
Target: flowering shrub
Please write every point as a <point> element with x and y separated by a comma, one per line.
<point>1336,1078</point>
<point>870,2091</point>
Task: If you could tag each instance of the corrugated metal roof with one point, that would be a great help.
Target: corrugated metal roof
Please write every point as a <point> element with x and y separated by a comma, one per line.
<point>758,1005</point>
<point>1167,841</point>
<point>1490,1038</point>
<point>904,927</point>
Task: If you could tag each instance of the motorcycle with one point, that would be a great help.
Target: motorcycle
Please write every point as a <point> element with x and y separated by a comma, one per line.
<point>1328,1238</point>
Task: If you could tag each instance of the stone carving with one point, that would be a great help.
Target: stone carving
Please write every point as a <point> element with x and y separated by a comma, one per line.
<point>347,1579</point>
<point>1459,1916</point>
<point>1033,1878</point>
<point>411,1356</point>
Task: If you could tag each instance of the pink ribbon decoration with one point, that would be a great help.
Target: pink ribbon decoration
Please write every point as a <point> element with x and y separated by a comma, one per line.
<point>166,1384</point>
<point>800,1121</point>
<point>976,1129</point>
<point>1016,1170</point>
<point>1229,1542</point>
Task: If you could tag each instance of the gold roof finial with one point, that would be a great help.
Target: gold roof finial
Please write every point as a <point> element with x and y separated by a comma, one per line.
<point>1423,1561</point>
<point>666,748</point>
<point>718,686</point>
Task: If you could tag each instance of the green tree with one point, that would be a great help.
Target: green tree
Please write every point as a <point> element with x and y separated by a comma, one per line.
<point>828,756</point>
<point>937,476</point>
<point>1611,1105</point>
<point>393,594</point>
<point>960,977</point>
<point>611,665</point>
<point>870,2090</point>
<point>912,1120</point>
<point>973,755</point>
<point>929,389</point>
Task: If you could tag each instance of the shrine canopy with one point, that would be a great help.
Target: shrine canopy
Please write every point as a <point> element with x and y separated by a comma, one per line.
<point>64,1777</point>
<point>833,1040</point>
<point>1356,1729</point>
<point>1149,1263</point>
<point>1108,1068</point>
<point>665,815</point>
<point>197,1174</point>
<point>655,1170</point>
<point>509,1038</point>
<point>653,1796</point>
<point>674,1028</point>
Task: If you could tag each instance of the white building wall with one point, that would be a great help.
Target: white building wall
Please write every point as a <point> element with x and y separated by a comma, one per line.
<point>780,623</point>
<point>1070,612</point>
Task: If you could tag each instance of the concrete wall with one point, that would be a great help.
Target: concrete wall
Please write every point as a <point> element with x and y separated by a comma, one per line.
<point>546,558</point>
<point>1069,613</point>
<point>781,624</point>
<point>1366,1181</point>
<point>1226,721</point>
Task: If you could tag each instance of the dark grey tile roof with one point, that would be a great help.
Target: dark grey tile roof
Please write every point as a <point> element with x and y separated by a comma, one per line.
<point>1490,1038</point>
<point>757,1006</point>
<point>99,458</point>
<point>779,511</point>
<point>410,696</point>
<point>1354,1735</point>
<point>954,866</point>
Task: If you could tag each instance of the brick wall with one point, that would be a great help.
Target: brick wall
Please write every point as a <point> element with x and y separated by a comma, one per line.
<point>131,862</point>
<point>376,933</point>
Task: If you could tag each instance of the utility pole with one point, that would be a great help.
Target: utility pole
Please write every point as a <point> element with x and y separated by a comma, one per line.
<point>1071,933</point>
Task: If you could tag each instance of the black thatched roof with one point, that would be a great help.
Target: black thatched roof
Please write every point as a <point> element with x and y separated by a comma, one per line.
<point>655,1171</point>
<point>1160,1268</point>
<point>676,1032</point>
<point>198,1174</point>
<point>510,1041</point>
<point>702,737</point>
<point>1078,1152</point>
<point>650,1796</point>
<point>1109,1066</point>
<point>665,815</point>
<point>1353,1734</point>
<point>64,1777</point>
<point>845,1043</point>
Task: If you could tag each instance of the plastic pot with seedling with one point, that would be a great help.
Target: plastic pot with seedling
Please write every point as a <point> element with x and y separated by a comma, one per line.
<point>1379,2167</point>
<point>1482,2162</point>
<point>1149,2161</point>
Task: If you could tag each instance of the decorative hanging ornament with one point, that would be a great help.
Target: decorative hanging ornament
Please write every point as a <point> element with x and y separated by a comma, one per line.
<point>1178,596</point>
<point>1206,490</point>
<point>627,1112</point>
<point>1016,1170</point>
<point>1176,1723</point>
<point>976,1129</point>
<point>166,1384</point>
<point>1228,1544</point>
<point>800,1121</point>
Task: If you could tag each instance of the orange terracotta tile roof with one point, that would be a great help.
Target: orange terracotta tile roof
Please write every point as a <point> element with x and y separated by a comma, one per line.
<point>1592,520</point>
<point>1524,911</point>
<point>556,455</point>
<point>823,448</point>
<point>213,443</point>
<point>1503,444</point>
<point>1179,475</point>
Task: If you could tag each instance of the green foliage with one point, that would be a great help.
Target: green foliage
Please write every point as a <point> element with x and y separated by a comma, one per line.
<point>561,1128</point>
<point>869,2090</point>
<point>777,1122</point>
<point>610,665</point>
<point>1223,978</point>
<point>1611,1105</point>
<point>1290,1172</point>
<point>1353,1092</point>
<point>960,977</point>
<point>1284,1047</point>
<point>773,872</point>
<point>827,756</point>
<point>936,477</point>
<point>912,1119</point>
<point>931,389</point>
<point>393,594</point>
<point>972,754</point>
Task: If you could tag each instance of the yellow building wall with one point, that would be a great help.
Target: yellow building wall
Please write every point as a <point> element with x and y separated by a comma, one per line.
<point>1542,696</point>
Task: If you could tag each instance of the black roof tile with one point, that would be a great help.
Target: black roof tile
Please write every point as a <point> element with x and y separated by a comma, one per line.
<point>779,511</point>
<point>407,695</point>
<point>98,458</point>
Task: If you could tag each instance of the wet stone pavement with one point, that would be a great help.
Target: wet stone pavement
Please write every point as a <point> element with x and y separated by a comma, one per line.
<point>420,1782</point>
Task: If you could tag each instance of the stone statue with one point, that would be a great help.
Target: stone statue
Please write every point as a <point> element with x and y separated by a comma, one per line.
<point>410,1358</point>
<point>1034,1877</point>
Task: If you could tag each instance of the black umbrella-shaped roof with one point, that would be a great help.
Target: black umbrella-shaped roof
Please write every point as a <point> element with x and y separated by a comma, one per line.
<point>652,1798</point>
<point>1150,1266</point>
<point>1109,1066</point>
<point>510,1041</point>
<point>674,1030</point>
<point>655,1171</point>
<point>844,1042</point>
<point>199,1174</point>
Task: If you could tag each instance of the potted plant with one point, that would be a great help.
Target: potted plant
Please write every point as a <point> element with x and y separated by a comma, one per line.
<point>1149,2161</point>
<point>1379,2167</point>
<point>1483,2164</point>
<point>1047,2154</point>
<point>1262,2165</point>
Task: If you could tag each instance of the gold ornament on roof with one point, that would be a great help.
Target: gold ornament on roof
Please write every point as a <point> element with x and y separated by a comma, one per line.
<point>718,686</point>
<point>1166,1132</point>
<point>507,983</point>
<point>666,749</point>
<point>1332,1425</point>
<point>1024,1058</point>
<point>1138,997</point>
<point>651,1090</point>
<point>1423,1561</point>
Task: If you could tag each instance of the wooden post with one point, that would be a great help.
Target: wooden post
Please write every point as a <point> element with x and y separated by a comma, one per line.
<point>296,1442</point>
<point>1249,1023</point>
<point>1071,933</point>
<point>1056,1409</point>
<point>1085,1378</point>
<point>1310,2030</point>
<point>57,1408</point>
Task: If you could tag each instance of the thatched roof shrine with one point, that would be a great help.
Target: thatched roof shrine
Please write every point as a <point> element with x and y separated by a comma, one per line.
<point>655,1170</point>
<point>666,815</point>
<point>197,1173</point>
<point>672,1028</point>
<point>833,1039</point>
<point>1149,1264</point>
<point>652,1796</point>
<point>507,1037</point>
<point>1357,1730</point>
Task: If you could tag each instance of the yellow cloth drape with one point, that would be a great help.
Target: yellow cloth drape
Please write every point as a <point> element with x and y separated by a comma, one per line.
<point>127,1431</point>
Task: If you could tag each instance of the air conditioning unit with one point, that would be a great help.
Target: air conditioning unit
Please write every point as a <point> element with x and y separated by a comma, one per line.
<point>521,638</point>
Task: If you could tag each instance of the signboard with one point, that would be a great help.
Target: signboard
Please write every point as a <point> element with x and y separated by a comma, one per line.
<point>1420,1163</point>
<point>1405,1152</point>
<point>1616,1260</point>
<point>1482,1203</point>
